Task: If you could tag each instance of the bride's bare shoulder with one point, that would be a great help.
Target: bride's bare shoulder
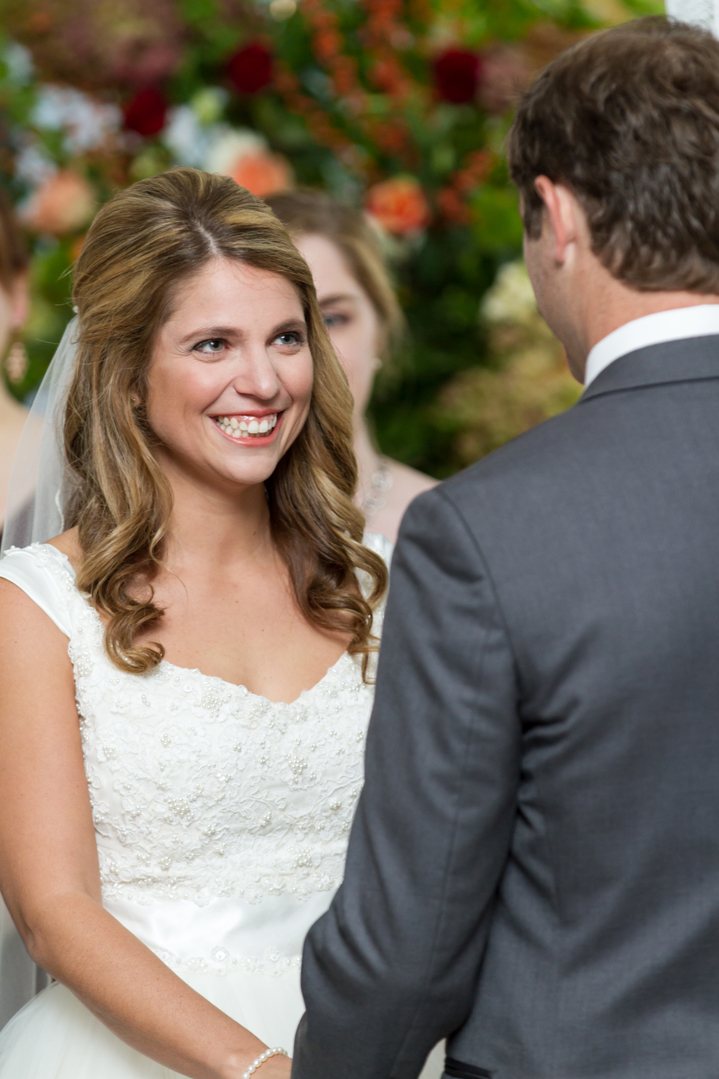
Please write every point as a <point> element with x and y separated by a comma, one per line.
<point>68,544</point>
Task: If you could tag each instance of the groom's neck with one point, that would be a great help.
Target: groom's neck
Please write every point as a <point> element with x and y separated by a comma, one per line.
<point>608,304</point>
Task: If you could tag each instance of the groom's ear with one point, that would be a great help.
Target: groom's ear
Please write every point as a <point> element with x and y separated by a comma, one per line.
<point>560,216</point>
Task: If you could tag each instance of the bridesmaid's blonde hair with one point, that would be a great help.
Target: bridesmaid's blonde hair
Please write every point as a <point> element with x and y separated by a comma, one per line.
<point>142,244</point>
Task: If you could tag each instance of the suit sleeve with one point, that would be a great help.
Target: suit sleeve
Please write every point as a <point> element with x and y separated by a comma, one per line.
<point>393,966</point>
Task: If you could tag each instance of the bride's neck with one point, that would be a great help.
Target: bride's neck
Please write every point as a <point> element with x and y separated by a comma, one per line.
<point>217,528</point>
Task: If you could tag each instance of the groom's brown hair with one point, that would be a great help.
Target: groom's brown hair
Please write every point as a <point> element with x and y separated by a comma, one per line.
<point>628,119</point>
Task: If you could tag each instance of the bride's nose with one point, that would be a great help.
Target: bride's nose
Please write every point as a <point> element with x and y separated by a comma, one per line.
<point>256,375</point>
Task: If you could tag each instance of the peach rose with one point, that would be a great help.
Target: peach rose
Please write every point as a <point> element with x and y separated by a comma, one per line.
<point>399,205</point>
<point>245,156</point>
<point>261,173</point>
<point>64,203</point>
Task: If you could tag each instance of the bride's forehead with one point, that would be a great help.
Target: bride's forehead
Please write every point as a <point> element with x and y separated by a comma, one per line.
<point>232,274</point>
<point>244,288</point>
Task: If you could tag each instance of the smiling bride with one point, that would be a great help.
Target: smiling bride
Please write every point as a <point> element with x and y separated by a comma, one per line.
<point>186,669</point>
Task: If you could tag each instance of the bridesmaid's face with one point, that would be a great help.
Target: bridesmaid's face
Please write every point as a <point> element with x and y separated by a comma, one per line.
<point>230,378</point>
<point>348,312</point>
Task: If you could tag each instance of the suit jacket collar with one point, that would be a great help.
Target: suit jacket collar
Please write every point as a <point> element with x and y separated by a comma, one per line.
<point>672,361</point>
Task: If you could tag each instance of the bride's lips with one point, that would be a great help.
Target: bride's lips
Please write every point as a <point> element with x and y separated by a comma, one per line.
<point>239,438</point>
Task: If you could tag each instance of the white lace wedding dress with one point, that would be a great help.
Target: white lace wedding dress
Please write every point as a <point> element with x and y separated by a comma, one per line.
<point>221,821</point>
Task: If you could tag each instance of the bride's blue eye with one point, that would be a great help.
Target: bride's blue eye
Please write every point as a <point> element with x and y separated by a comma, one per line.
<point>212,346</point>
<point>291,337</point>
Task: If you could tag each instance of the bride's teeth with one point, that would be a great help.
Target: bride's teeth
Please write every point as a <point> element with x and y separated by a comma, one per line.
<point>241,428</point>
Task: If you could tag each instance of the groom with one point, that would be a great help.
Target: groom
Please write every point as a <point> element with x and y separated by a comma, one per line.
<point>533,871</point>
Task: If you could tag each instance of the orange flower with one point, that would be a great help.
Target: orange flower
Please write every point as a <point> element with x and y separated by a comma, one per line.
<point>391,138</point>
<point>63,203</point>
<point>387,75</point>
<point>399,205</point>
<point>40,22</point>
<point>327,44</point>
<point>261,173</point>
<point>452,207</point>
<point>344,76</point>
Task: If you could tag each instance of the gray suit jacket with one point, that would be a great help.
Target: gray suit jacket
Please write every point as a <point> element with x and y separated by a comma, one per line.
<point>533,869</point>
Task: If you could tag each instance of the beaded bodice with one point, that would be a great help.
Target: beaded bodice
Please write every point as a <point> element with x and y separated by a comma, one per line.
<point>199,788</point>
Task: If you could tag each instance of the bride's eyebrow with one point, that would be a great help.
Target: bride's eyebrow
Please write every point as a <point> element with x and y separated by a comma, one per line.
<point>290,324</point>
<point>210,331</point>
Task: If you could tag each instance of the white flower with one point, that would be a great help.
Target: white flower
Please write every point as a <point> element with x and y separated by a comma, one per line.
<point>511,298</point>
<point>86,122</point>
<point>185,137</point>
<point>191,131</point>
<point>33,164</point>
<point>20,70</point>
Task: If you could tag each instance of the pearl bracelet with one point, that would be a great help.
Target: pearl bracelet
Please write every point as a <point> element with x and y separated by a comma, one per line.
<point>261,1060</point>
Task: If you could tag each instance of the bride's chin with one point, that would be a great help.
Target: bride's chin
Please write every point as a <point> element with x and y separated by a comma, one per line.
<point>258,466</point>
<point>244,481</point>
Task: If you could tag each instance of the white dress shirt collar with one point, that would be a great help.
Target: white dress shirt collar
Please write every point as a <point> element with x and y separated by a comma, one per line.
<point>682,322</point>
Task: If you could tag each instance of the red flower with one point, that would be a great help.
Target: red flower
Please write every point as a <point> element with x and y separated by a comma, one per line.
<point>456,74</point>
<point>146,112</point>
<point>250,69</point>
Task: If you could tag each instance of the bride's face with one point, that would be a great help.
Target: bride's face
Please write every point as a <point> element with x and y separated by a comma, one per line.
<point>230,378</point>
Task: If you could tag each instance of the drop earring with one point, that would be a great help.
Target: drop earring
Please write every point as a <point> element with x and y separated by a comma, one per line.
<point>16,363</point>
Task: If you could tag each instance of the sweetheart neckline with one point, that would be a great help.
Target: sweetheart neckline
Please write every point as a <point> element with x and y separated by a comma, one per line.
<point>167,664</point>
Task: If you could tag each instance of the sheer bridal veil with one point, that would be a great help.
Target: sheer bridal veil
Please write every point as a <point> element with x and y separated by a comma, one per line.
<point>701,12</point>
<point>40,479</point>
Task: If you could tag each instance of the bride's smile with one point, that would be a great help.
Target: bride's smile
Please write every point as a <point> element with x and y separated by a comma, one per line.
<point>251,427</point>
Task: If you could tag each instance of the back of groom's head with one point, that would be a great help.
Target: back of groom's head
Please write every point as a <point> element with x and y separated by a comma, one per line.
<point>628,120</point>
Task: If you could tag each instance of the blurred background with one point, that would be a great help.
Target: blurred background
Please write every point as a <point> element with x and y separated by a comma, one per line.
<point>396,106</point>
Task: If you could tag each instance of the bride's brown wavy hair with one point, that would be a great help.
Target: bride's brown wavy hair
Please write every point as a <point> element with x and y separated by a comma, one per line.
<point>143,243</point>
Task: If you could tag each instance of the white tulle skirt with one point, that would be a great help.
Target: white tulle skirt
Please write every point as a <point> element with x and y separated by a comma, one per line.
<point>56,1037</point>
<point>255,948</point>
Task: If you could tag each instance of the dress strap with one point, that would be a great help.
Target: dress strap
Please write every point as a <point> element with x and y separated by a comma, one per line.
<point>45,575</point>
<point>379,544</point>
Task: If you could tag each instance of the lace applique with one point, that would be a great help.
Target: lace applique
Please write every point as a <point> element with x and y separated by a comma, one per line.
<point>221,961</point>
<point>201,789</point>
